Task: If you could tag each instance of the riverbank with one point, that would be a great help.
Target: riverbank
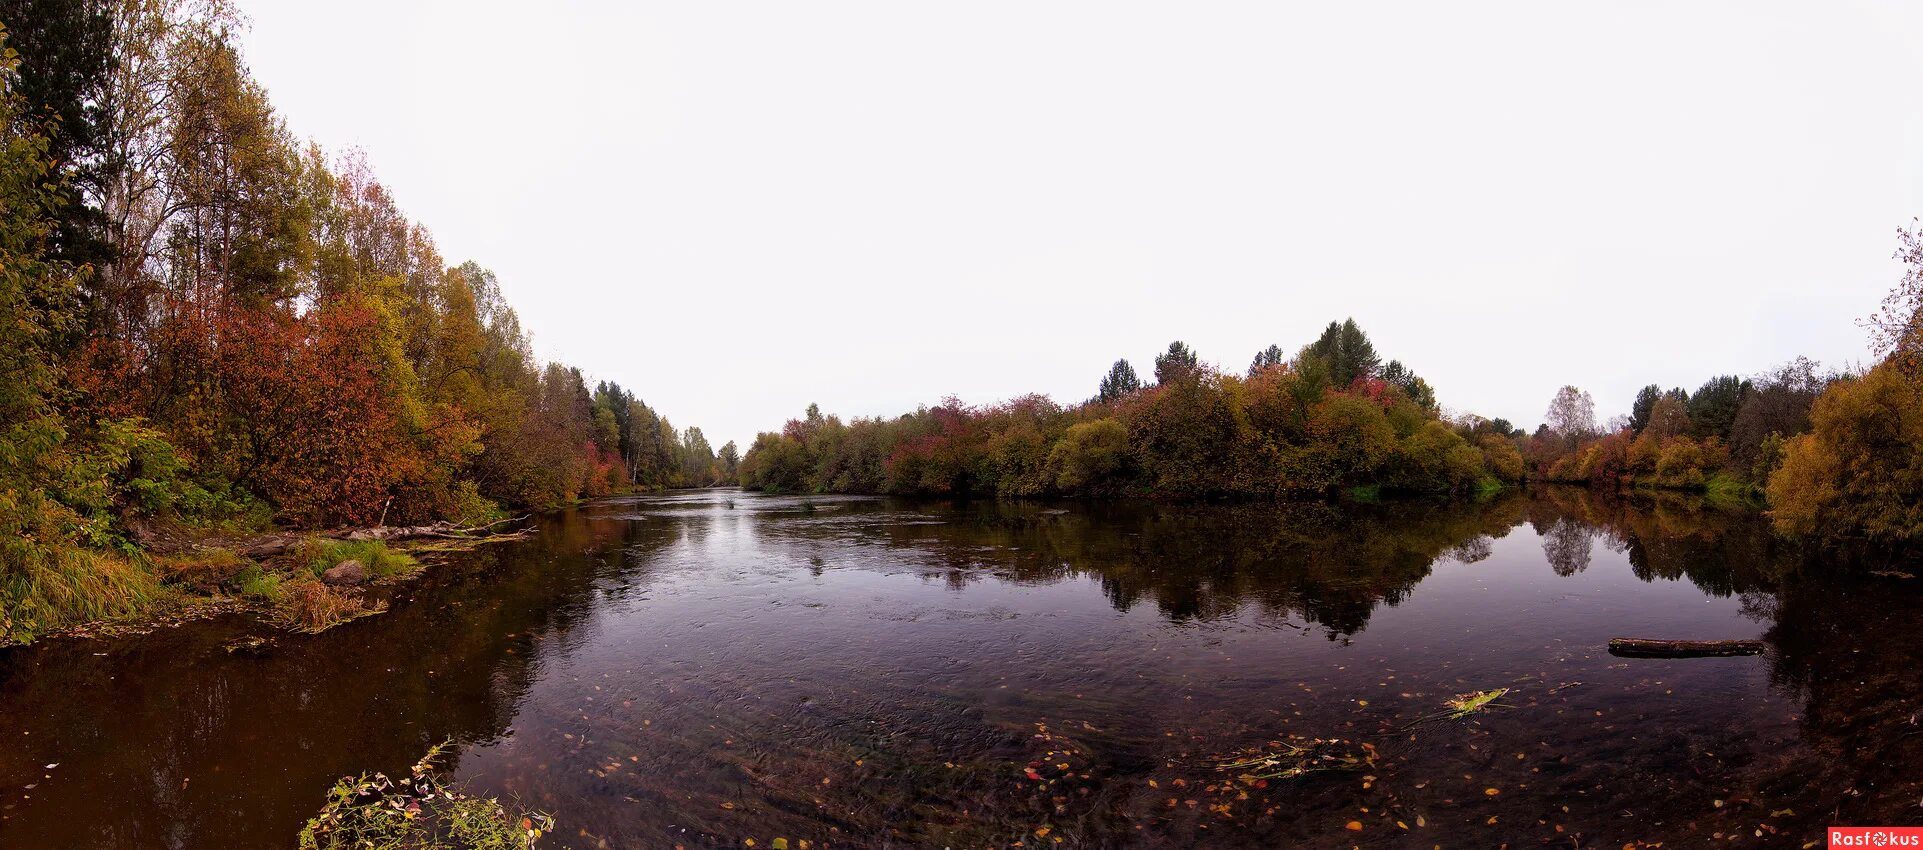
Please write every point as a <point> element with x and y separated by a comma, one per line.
<point>304,582</point>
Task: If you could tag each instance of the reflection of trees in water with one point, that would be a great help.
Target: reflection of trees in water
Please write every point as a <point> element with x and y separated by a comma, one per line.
<point>181,732</point>
<point>1849,647</point>
<point>1666,535</point>
<point>1474,550</point>
<point>1845,645</point>
<point>1318,563</point>
<point>1567,546</point>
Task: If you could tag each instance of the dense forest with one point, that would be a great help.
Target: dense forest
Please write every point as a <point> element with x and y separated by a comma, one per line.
<point>210,325</point>
<point>1837,454</point>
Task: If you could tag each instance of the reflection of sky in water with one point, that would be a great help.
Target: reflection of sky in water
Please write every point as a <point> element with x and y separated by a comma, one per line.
<point>704,668</point>
<point>787,638</point>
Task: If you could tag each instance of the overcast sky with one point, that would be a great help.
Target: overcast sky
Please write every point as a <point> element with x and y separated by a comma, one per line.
<point>735,209</point>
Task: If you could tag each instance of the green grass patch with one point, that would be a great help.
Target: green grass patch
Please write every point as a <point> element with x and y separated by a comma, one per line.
<point>43,589</point>
<point>374,555</point>
<point>255,583</point>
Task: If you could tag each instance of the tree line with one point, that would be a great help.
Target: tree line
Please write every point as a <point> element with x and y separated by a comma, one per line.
<point>1837,455</point>
<point>1333,417</point>
<point>1728,436</point>
<point>209,323</point>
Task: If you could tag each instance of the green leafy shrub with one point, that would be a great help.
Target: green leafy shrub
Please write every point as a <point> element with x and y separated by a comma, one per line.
<point>467,506</point>
<point>128,470</point>
<point>1089,457</point>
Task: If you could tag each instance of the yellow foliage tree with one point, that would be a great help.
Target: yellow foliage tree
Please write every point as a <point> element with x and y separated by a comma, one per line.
<point>1858,474</point>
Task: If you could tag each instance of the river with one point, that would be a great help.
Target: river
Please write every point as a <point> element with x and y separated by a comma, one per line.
<point>708,668</point>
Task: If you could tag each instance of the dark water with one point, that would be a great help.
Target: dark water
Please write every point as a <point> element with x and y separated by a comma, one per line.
<point>705,669</point>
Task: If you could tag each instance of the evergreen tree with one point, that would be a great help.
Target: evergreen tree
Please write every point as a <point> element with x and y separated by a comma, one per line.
<point>1267,358</point>
<point>65,53</point>
<point>1345,352</point>
<point>1645,402</point>
<point>1412,385</point>
<point>1176,364</point>
<point>1712,410</point>
<point>1119,382</point>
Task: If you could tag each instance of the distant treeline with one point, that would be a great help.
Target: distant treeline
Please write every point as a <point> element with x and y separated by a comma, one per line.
<point>1332,417</point>
<point>205,323</point>
<point>1837,454</point>
<point>1728,436</point>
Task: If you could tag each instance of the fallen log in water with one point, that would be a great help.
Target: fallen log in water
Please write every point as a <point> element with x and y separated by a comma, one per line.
<point>1645,648</point>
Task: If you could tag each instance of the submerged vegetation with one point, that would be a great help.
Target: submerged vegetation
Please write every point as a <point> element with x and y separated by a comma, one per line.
<point>418,812</point>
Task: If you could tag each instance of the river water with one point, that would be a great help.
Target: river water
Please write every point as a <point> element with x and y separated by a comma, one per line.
<point>710,668</point>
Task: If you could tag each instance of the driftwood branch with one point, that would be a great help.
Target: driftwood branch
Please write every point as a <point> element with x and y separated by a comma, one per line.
<point>1644,648</point>
<point>272,545</point>
<point>446,530</point>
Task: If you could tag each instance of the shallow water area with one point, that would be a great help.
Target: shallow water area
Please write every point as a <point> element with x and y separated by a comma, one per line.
<point>715,667</point>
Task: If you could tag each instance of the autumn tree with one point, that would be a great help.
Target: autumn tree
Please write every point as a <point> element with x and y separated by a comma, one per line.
<point>1778,405</point>
<point>698,460</point>
<point>1858,473</point>
<point>1667,418</point>
<point>1896,330</point>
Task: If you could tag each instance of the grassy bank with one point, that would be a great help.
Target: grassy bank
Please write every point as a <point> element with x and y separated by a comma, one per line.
<point>81,591</point>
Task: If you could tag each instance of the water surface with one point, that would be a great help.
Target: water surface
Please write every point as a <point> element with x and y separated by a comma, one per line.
<point>704,669</point>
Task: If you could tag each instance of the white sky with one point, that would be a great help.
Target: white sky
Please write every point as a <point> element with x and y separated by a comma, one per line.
<point>735,209</point>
